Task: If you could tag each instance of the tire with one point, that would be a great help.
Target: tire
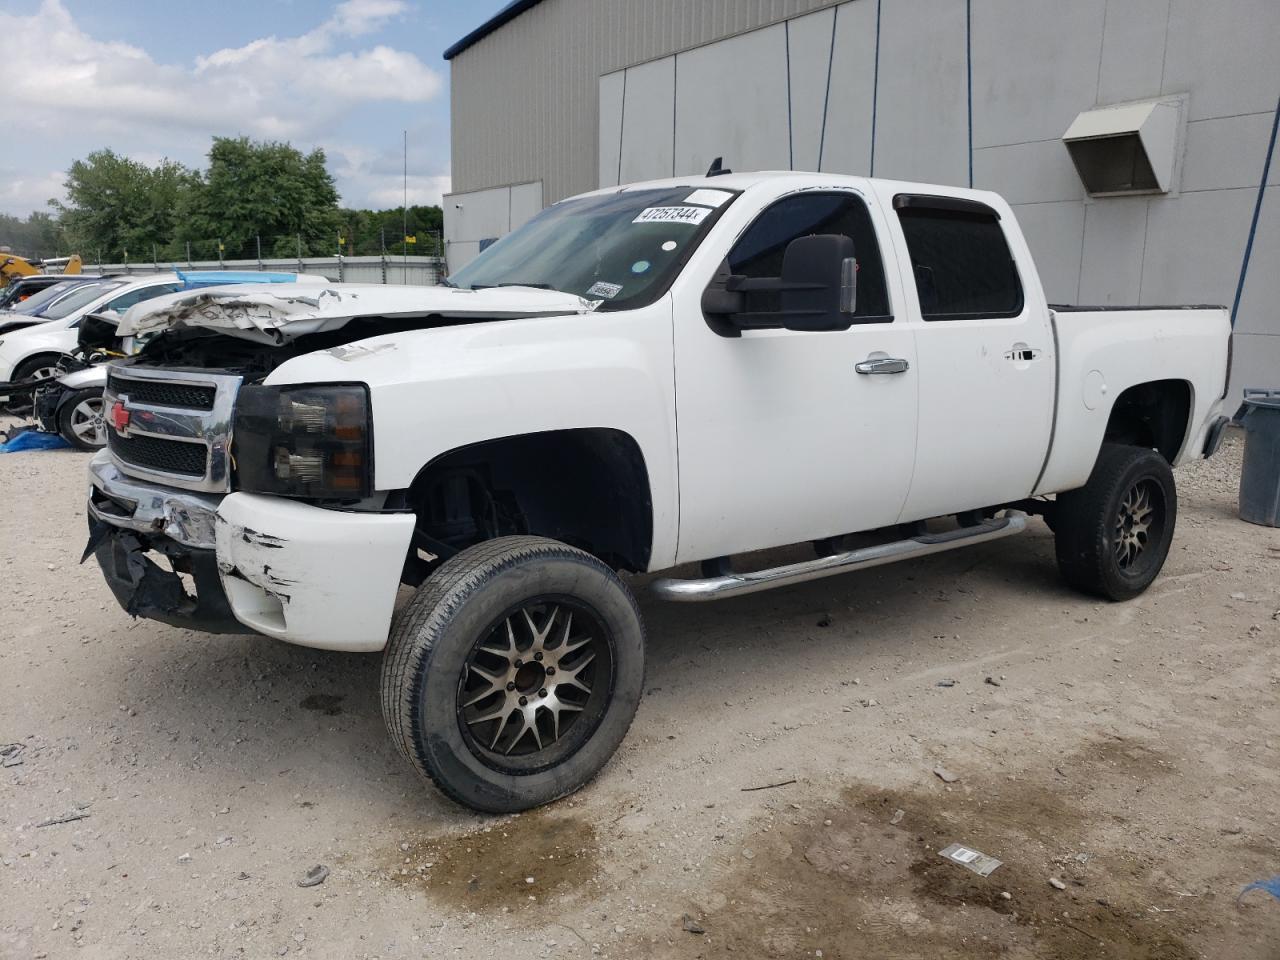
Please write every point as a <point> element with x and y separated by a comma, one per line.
<point>458,657</point>
<point>80,419</point>
<point>1113,534</point>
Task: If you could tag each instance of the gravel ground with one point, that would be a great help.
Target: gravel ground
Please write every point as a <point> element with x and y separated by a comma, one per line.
<point>782,793</point>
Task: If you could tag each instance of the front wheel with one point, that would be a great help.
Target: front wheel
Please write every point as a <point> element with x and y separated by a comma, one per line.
<point>40,367</point>
<point>512,675</point>
<point>1113,534</point>
<point>81,419</point>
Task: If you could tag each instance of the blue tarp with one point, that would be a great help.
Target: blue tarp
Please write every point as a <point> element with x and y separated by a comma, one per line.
<point>34,440</point>
<point>216,278</point>
<point>1271,886</point>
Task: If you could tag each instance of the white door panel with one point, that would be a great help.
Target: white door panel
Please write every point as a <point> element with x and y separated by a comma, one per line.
<point>987,379</point>
<point>781,440</point>
<point>985,413</point>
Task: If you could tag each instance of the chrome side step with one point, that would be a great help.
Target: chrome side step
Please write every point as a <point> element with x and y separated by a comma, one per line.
<point>737,584</point>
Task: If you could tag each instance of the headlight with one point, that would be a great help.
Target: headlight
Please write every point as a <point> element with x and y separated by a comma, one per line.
<point>306,441</point>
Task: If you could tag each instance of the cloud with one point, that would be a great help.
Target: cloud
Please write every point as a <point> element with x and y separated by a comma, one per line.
<point>375,179</point>
<point>93,93</point>
<point>290,87</point>
<point>357,17</point>
<point>423,191</point>
<point>30,191</point>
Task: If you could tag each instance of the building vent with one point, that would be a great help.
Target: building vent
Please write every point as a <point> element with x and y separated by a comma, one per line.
<point>1128,148</point>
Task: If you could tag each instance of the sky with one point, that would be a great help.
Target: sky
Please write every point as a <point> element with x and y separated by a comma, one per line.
<point>156,78</point>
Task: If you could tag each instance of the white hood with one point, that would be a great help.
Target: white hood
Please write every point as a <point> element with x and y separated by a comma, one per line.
<point>274,313</point>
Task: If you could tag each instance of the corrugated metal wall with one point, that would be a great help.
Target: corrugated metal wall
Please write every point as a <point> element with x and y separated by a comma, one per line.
<point>897,76</point>
<point>540,73</point>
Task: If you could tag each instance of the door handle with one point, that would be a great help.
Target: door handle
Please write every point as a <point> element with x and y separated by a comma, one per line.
<point>882,365</point>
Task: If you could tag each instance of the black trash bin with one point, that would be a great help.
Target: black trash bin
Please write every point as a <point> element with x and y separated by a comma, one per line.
<point>1260,476</point>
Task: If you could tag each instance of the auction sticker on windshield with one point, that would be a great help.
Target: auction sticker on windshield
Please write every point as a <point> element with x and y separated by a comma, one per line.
<point>692,215</point>
<point>602,288</point>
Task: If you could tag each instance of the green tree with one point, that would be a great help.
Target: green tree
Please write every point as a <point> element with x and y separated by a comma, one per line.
<point>39,235</point>
<point>265,190</point>
<point>115,204</point>
<point>368,229</point>
<point>251,190</point>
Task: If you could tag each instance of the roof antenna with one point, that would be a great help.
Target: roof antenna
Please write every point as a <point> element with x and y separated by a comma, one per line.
<point>716,170</point>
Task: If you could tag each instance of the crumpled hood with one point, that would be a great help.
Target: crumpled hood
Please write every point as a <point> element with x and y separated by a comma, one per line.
<point>276,313</point>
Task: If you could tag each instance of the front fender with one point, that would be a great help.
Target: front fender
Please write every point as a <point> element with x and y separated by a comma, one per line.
<point>437,390</point>
<point>88,377</point>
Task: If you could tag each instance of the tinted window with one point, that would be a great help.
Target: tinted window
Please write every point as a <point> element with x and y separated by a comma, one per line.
<point>962,264</point>
<point>77,298</point>
<point>758,253</point>
<point>20,291</point>
<point>126,300</point>
<point>37,302</point>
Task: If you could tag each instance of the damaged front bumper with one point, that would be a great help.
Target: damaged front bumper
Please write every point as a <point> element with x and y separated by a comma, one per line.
<point>310,575</point>
<point>300,573</point>
<point>146,589</point>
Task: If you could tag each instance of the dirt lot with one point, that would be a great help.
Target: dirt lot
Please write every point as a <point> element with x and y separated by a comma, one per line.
<point>1129,753</point>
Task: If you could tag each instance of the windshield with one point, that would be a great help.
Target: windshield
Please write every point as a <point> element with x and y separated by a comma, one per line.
<point>83,294</point>
<point>34,302</point>
<point>621,248</point>
<point>14,293</point>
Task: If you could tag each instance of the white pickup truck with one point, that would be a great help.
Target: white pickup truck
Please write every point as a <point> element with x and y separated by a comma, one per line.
<point>654,376</point>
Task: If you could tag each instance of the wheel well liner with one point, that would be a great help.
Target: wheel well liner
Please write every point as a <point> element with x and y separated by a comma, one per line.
<point>1154,415</point>
<point>45,356</point>
<point>588,487</point>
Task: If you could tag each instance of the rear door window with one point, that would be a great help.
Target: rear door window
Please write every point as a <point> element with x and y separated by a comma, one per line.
<point>961,261</point>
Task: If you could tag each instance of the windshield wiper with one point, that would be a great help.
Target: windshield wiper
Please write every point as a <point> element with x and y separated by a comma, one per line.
<point>490,286</point>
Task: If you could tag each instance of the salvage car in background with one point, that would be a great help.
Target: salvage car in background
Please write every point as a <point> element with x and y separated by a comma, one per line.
<point>673,372</point>
<point>23,289</point>
<point>69,401</point>
<point>33,352</point>
<point>41,306</point>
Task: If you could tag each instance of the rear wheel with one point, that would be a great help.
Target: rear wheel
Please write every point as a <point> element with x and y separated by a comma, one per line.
<point>1113,534</point>
<point>81,419</point>
<point>513,674</point>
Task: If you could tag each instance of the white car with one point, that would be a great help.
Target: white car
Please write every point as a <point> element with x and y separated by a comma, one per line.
<point>672,373</point>
<point>34,351</point>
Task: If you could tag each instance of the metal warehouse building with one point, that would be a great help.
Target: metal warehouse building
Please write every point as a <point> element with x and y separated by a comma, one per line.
<point>1133,137</point>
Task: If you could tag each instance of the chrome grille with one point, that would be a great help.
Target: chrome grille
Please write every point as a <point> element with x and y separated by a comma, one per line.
<point>160,454</point>
<point>171,426</point>
<point>162,393</point>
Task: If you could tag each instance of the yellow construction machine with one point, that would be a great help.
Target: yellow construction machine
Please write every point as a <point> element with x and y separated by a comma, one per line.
<point>12,267</point>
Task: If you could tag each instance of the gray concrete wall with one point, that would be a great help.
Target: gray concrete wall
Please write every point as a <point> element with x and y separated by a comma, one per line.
<point>419,271</point>
<point>952,91</point>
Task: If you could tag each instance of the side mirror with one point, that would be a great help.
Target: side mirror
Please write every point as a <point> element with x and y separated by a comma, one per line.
<point>817,290</point>
<point>819,274</point>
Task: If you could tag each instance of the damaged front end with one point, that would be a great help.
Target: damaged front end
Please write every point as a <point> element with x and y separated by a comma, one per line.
<point>247,563</point>
<point>229,504</point>
<point>128,520</point>
<point>145,589</point>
